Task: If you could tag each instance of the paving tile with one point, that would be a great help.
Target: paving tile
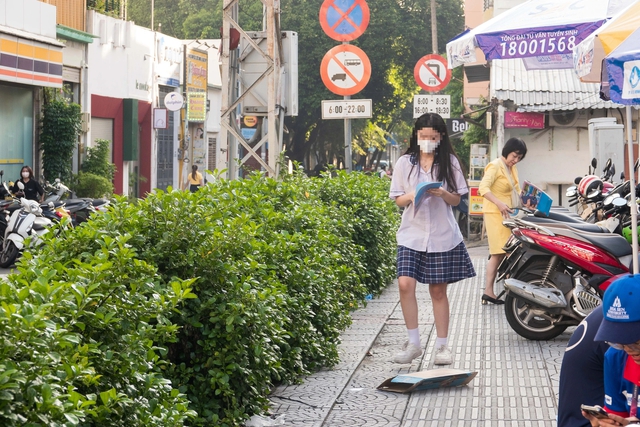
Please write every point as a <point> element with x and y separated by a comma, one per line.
<point>516,384</point>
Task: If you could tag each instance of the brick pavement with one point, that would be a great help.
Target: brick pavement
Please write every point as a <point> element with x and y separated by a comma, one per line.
<point>516,384</point>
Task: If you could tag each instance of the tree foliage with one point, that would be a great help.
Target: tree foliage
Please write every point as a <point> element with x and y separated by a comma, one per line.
<point>399,33</point>
<point>58,135</point>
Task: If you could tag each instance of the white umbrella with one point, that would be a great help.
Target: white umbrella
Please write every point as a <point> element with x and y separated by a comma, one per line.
<point>534,29</point>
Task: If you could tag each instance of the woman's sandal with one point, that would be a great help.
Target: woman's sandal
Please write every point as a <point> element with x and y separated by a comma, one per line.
<point>487,299</point>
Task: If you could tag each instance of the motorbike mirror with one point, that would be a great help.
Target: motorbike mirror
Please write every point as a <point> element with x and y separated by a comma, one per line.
<point>607,165</point>
<point>609,199</point>
<point>20,185</point>
<point>619,202</point>
<point>594,193</point>
<point>612,170</point>
<point>636,165</point>
<point>594,162</point>
<point>621,176</point>
<point>57,180</point>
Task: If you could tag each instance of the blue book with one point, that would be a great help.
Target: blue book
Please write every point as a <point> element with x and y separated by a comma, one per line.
<point>534,198</point>
<point>421,190</point>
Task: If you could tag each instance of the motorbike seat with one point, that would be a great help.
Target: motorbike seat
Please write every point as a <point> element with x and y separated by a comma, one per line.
<point>615,244</point>
<point>584,226</point>
<point>559,216</point>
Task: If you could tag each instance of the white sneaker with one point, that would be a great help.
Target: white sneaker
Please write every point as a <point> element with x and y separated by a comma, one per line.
<point>443,356</point>
<point>409,352</point>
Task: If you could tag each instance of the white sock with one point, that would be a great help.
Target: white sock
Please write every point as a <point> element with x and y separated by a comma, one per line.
<point>441,341</point>
<point>414,336</point>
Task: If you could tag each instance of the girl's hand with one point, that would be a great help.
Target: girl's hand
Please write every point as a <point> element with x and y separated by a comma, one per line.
<point>438,192</point>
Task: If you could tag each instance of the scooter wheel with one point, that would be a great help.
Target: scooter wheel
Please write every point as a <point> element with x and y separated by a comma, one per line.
<point>524,322</point>
<point>9,254</point>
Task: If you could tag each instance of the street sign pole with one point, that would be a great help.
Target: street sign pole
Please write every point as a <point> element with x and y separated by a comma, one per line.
<point>347,141</point>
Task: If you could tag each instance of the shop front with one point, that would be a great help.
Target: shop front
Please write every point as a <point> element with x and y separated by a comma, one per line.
<point>30,59</point>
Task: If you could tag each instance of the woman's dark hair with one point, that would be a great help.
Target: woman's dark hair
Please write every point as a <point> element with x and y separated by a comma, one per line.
<point>443,153</point>
<point>194,168</point>
<point>28,169</point>
<point>514,145</point>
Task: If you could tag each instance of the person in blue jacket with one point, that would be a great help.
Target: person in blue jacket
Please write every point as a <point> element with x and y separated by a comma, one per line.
<point>620,328</point>
<point>581,372</point>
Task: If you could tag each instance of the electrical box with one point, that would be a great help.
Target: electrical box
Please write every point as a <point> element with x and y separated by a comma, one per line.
<point>606,141</point>
<point>85,122</point>
<point>253,64</point>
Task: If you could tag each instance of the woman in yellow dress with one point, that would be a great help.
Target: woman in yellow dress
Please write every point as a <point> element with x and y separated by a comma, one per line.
<point>500,188</point>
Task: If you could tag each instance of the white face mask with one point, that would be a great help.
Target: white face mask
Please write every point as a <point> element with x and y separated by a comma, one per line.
<point>25,175</point>
<point>428,145</point>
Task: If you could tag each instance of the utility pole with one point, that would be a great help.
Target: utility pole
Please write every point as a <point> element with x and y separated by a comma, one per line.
<point>271,110</point>
<point>434,28</point>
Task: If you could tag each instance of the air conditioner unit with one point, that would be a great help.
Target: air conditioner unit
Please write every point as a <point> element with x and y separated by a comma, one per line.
<point>568,118</point>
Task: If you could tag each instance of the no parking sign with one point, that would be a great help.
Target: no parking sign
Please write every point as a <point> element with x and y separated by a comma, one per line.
<point>344,20</point>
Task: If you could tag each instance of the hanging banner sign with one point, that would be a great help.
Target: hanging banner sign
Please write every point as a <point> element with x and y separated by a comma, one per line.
<point>515,120</point>
<point>345,70</point>
<point>431,73</point>
<point>344,20</point>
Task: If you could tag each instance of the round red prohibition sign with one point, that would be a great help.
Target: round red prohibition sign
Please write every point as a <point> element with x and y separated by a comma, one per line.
<point>344,20</point>
<point>431,73</point>
<point>345,70</point>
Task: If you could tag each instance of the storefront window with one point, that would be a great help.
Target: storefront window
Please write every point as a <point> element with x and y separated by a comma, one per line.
<point>16,130</point>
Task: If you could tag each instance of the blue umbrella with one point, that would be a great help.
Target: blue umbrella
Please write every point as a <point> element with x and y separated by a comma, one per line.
<point>621,72</point>
<point>621,84</point>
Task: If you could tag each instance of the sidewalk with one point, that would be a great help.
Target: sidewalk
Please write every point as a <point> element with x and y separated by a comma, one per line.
<point>516,385</point>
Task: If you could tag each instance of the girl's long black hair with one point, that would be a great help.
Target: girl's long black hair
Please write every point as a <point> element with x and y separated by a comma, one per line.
<point>442,155</point>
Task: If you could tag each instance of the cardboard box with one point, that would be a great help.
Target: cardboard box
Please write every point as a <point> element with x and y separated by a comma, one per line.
<point>425,380</point>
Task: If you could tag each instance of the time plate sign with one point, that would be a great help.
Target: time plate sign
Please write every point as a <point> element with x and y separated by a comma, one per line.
<point>439,104</point>
<point>347,109</point>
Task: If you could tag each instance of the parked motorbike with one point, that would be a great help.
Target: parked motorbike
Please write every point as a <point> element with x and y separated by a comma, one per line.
<point>25,222</point>
<point>79,208</point>
<point>555,273</point>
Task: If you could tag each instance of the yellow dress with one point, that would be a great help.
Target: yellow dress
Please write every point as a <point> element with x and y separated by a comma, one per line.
<point>496,182</point>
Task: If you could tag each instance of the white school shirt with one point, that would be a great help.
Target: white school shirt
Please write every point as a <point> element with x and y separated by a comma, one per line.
<point>432,227</point>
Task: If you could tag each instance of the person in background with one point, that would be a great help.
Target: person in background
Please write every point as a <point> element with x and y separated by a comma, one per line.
<point>382,171</point>
<point>194,179</point>
<point>581,372</point>
<point>501,189</point>
<point>430,246</point>
<point>32,188</point>
<point>620,328</point>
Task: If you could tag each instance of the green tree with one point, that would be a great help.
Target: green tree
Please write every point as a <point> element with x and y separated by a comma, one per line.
<point>58,135</point>
<point>398,35</point>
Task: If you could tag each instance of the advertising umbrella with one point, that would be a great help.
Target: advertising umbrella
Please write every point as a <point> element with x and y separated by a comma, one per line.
<point>621,73</point>
<point>589,54</point>
<point>541,32</point>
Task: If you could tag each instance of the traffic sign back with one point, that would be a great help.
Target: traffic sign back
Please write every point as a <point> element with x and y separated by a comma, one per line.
<point>344,20</point>
<point>345,70</point>
<point>431,73</point>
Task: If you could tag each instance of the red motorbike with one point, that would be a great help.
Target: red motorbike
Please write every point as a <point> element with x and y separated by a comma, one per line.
<point>555,273</point>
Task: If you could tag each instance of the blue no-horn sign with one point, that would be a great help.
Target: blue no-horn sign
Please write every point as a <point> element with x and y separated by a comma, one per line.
<point>344,20</point>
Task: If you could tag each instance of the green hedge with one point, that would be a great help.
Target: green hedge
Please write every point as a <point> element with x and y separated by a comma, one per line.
<point>241,285</point>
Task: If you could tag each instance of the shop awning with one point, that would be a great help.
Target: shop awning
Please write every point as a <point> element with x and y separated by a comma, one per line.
<point>30,58</point>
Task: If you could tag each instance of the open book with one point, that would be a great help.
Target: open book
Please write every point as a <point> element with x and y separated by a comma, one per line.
<point>421,191</point>
<point>534,198</point>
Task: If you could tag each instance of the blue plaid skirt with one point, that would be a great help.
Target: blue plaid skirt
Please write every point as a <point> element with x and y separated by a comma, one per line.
<point>435,267</point>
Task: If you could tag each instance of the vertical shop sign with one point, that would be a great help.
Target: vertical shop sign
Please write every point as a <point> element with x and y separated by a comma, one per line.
<point>196,83</point>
